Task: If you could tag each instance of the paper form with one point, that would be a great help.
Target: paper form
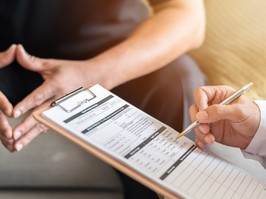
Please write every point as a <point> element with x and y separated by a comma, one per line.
<point>149,147</point>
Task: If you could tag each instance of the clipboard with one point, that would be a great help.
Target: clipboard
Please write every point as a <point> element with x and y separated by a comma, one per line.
<point>96,99</point>
<point>59,102</point>
<point>91,149</point>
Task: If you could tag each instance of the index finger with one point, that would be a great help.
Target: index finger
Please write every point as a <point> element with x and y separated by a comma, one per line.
<point>208,95</point>
<point>5,128</point>
<point>8,56</point>
<point>40,95</point>
<point>200,98</point>
<point>5,105</point>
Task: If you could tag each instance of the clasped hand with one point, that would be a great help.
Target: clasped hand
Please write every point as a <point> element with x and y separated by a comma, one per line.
<point>60,77</point>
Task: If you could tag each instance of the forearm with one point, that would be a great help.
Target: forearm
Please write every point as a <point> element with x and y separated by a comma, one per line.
<point>175,28</point>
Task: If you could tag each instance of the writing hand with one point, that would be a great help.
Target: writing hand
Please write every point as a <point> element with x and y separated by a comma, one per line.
<point>234,124</point>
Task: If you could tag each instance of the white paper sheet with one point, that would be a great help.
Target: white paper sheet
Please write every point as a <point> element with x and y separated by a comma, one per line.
<point>147,146</point>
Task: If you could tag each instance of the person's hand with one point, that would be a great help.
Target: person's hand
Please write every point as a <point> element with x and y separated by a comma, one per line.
<point>6,107</point>
<point>60,77</point>
<point>233,125</point>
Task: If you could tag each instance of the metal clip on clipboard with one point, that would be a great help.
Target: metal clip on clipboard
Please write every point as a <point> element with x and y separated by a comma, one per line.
<point>66,97</point>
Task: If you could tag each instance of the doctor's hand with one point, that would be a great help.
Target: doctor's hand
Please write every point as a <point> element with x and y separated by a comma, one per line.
<point>60,77</point>
<point>233,125</point>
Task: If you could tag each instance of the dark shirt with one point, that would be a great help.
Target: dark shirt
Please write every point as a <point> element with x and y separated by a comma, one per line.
<point>68,29</point>
<point>61,29</point>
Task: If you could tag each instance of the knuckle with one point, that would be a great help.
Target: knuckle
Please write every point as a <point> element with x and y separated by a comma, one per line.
<point>38,98</point>
<point>46,64</point>
<point>218,109</point>
<point>41,128</point>
<point>27,139</point>
<point>32,58</point>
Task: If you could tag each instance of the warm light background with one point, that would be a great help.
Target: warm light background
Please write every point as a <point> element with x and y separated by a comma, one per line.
<point>234,52</point>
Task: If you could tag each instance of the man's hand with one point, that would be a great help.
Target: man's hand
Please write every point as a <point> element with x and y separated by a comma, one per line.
<point>6,107</point>
<point>60,77</point>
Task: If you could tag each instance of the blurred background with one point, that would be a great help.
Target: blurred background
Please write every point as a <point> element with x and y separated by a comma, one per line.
<point>234,52</point>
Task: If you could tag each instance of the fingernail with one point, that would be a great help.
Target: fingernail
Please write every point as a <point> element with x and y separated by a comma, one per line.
<point>202,115</point>
<point>17,135</point>
<point>17,113</point>
<point>18,147</point>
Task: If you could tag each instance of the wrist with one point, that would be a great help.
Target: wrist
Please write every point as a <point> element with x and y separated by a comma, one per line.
<point>97,71</point>
<point>257,118</point>
<point>257,144</point>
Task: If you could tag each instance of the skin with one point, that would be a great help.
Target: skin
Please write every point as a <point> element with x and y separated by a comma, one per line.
<point>123,62</point>
<point>233,125</point>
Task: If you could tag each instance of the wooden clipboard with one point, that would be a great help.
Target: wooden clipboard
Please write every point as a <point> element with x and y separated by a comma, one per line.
<point>101,154</point>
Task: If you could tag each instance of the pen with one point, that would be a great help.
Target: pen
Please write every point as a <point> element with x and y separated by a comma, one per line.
<point>228,100</point>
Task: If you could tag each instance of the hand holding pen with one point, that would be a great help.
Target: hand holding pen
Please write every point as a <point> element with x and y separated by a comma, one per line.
<point>228,100</point>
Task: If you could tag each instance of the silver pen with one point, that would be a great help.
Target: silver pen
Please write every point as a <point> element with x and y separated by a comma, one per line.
<point>228,100</point>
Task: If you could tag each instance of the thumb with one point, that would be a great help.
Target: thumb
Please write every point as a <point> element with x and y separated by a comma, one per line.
<point>218,112</point>
<point>28,61</point>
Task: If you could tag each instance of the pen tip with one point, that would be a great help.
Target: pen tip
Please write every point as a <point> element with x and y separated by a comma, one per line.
<point>179,135</point>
